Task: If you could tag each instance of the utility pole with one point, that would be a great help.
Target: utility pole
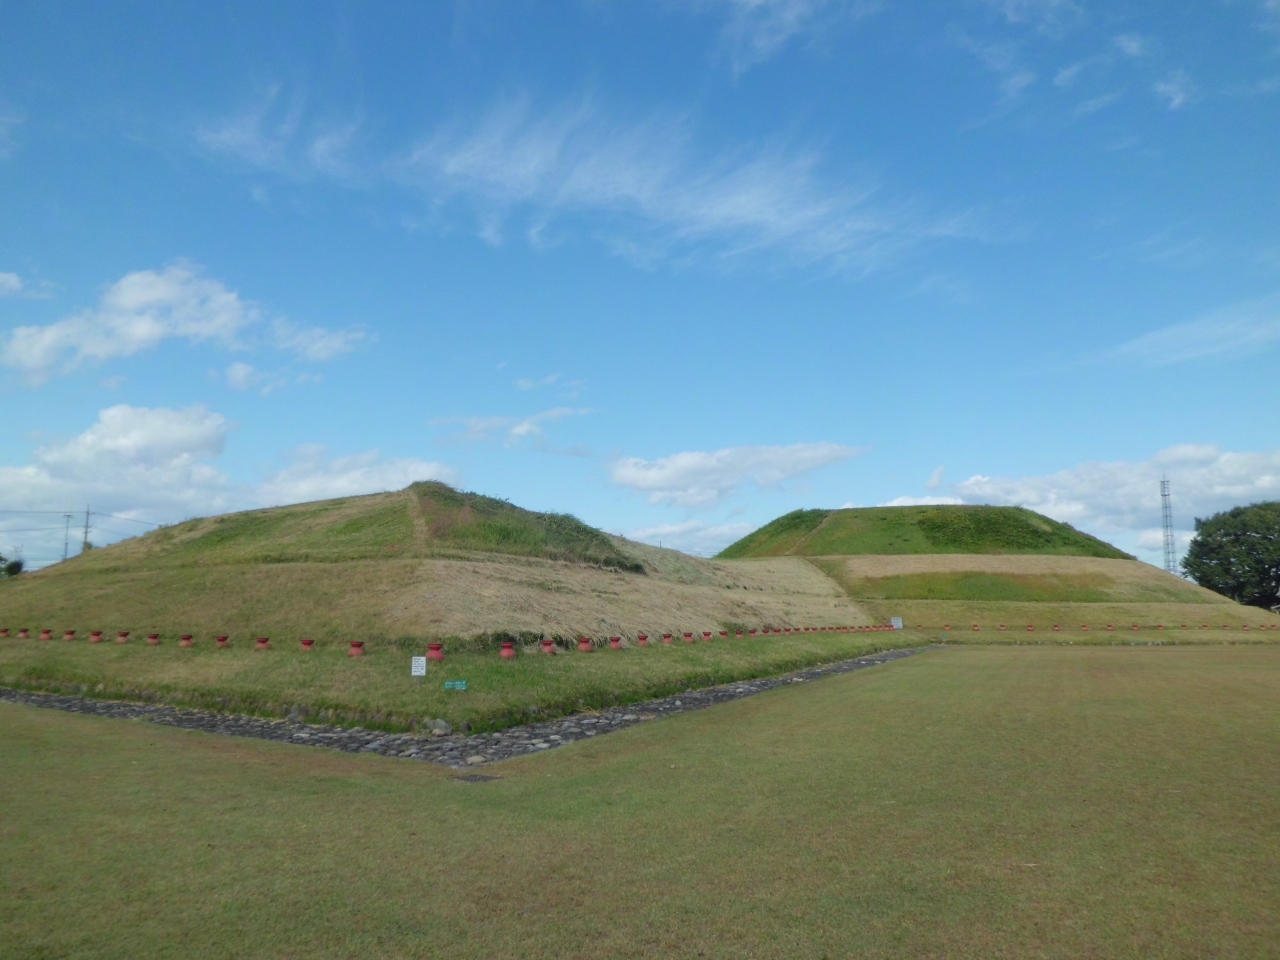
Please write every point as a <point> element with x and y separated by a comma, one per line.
<point>66,536</point>
<point>85,545</point>
<point>1166,515</point>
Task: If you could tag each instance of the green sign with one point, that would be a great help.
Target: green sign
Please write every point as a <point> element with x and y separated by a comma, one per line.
<point>455,684</point>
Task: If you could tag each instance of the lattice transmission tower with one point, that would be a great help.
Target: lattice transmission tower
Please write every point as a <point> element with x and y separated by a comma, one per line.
<point>1166,513</point>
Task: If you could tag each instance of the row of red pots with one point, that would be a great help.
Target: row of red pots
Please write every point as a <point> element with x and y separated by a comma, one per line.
<point>1084,627</point>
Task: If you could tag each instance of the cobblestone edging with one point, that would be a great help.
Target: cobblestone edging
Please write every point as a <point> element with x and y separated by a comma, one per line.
<point>454,750</point>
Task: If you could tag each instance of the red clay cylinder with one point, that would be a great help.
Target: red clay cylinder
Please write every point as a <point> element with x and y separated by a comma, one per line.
<point>308,644</point>
<point>666,638</point>
<point>1030,628</point>
<point>688,638</point>
<point>584,644</point>
<point>357,649</point>
<point>724,633</point>
<point>264,643</point>
<point>24,634</point>
<point>642,640</point>
<point>222,641</point>
<point>548,646</point>
<point>752,632</point>
<point>975,626</point>
<point>1056,628</point>
<point>1110,627</point>
<point>153,639</point>
<point>95,636</point>
<point>737,633</point>
<point>508,651</point>
<point>46,634</point>
<point>1134,627</point>
<point>184,640</point>
<point>4,631</point>
<point>706,636</point>
<point>69,635</point>
<point>122,636</point>
<point>1084,627</point>
<point>435,651</point>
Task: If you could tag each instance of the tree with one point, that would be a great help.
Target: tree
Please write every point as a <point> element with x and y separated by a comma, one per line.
<point>1237,553</point>
<point>9,568</point>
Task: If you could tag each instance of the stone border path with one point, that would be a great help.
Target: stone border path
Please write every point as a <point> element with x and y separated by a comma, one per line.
<point>459,751</point>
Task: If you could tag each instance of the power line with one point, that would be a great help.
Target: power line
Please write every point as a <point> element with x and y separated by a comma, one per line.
<point>128,519</point>
<point>4,530</point>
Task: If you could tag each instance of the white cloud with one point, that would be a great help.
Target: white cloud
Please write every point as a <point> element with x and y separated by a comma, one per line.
<point>134,314</point>
<point>143,309</point>
<point>700,539</point>
<point>759,29</point>
<point>157,465</point>
<point>511,429</point>
<point>699,479</point>
<point>316,343</point>
<point>641,188</point>
<point>1123,497</point>
<point>935,478</point>
<point>920,501</point>
<point>137,462</point>
<point>1005,61</point>
<point>1132,45</point>
<point>1052,17</point>
<point>313,475</point>
<point>244,376</point>
<point>526,384</point>
<point>1239,330</point>
<point>1177,88</point>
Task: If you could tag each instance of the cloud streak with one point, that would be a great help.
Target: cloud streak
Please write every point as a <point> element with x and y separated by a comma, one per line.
<point>641,188</point>
<point>1240,330</point>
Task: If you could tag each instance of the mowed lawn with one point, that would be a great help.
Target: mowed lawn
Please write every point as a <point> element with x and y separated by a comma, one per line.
<point>967,802</point>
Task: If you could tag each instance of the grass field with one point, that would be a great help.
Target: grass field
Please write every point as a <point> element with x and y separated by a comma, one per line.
<point>377,691</point>
<point>969,803</point>
<point>917,530</point>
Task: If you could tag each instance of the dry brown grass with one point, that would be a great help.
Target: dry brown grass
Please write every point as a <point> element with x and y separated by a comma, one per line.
<point>429,597</point>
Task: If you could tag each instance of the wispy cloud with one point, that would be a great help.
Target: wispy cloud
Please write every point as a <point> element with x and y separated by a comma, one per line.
<point>1132,45</point>
<point>1052,17</point>
<point>1239,330</point>
<point>758,30</point>
<point>1177,89</point>
<point>526,384</point>
<point>511,430</point>
<point>10,285</point>
<point>642,188</point>
<point>317,343</point>
<point>701,479</point>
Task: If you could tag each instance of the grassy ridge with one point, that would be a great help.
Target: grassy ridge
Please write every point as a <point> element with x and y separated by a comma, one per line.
<point>969,803</point>
<point>426,519</point>
<point>918,530</point>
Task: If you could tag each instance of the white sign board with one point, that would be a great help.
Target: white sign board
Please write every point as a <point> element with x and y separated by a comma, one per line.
<point>419,666</point>
<point>897,622</point>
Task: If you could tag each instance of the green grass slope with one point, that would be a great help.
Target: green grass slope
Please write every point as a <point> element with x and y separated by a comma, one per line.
<point>917,530</point>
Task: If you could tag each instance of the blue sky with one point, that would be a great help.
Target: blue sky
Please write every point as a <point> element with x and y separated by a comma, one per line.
<point>674,267</point>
